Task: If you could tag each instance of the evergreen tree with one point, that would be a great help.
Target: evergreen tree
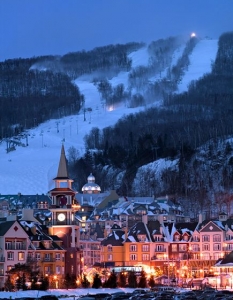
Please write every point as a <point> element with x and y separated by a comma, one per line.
<point>23,284</point>
<point>96,281</point>
<point>67,281</point>
<point>112,280</point>
<point>85,282</point>
<point>132,279</point>
<point>9,286</point>
<point>73,283</point>
<point>142,280</point>
<point>44,283</point>
<point>151,282</point>
<point>122,280</point>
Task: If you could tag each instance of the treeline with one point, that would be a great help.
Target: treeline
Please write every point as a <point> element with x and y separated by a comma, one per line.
<point>36,89</point>
<point>29,97</point>
<point>111,58</point>
<point>177,130</point>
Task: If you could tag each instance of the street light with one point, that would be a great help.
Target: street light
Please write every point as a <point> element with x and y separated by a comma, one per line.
<point>56,281</point>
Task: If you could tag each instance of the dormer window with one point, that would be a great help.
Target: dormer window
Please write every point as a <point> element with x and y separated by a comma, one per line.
<point>42,205</point>
<point>157,238</point>
<point>47,245</point>
<point>176,237</point>
<point>141,237</point>
<point>185,238</point>
<point>141,211</point>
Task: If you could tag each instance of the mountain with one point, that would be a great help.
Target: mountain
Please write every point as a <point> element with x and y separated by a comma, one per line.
<point>30,168</point>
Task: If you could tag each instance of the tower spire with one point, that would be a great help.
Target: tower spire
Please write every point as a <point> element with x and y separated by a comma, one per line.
<point>62,172</point>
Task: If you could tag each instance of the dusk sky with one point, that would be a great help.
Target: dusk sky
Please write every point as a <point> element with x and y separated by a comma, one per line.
<point>39,27</point>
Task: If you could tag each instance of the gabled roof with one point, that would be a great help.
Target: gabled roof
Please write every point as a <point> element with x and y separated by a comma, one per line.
<point>207,224</point>
<point>116,238</point>
<point>138,229</point>
<point>5,226</point>
<point>227,261</point>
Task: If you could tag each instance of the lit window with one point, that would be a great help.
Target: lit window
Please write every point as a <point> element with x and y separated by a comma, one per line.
<point>21,256</point>
<point>58,256</point>
<point>109,256</point>
<point>133,256</point>
<point>133,248</point>
<point>145,257</point>
<point>145,248</point>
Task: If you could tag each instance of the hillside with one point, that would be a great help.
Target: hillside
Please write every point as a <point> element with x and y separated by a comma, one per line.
<point>30,169</point>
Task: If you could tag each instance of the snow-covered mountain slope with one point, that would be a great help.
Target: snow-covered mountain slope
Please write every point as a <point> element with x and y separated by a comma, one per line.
<point>31,169</point>
<point>201,59</point>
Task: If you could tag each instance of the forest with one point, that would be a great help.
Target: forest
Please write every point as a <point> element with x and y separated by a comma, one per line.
<point>194,129</point>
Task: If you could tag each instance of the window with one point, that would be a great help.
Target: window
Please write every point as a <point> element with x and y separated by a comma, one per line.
<point>8,245</point>
<point>58,269</point>
<point>217,238</point>
<point>217,247</point>
<point>42,205</point>
<point>142,237</point>
<point>63,270</point>
<point>145,257</point>
<point>37,256</point>
<point>46,245</point>
<point>133,248</point>
<point>110,248</point>
<point>133,257</point>
<point>195,247</point>
<point>176,237</point>
<point>196,238</point>
<point>159,248</point>
<point>217,255</point>
<point>205,247</point>
<point>10,255</point>
<point>47,270</point>
<point>21,256</point>
<point>71,255</point>
<point>47,257</point>
<point>9,268</point>
<point>157,238</point>
<point>205,238</point>
<point>19,245</point>
<point>72,269</point>
<point>145,248</point>
<point>182,247</point>
<point>174,247</point>
<point>58,256</point>
<point>109,256</point>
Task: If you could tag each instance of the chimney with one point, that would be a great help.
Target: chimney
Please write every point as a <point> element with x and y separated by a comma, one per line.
<point>28,215</point>
<point>11,218</point>
<point>200,218</point>
<point>145,219</point>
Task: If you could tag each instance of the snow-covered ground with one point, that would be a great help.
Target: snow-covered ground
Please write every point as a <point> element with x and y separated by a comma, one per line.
<point>70,294</point>
<point>29,170</point>
<point>201,60</point>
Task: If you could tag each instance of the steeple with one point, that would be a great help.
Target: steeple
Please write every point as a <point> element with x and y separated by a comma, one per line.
<point>62,172</point>
<point>62,179</point>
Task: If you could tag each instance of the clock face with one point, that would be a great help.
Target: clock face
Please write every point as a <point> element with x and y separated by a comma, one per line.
<point>61,217</point>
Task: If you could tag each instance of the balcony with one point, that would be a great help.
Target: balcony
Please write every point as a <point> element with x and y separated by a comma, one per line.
<point>48,259</point>
<point>160,250</point>
<point>13,247</point>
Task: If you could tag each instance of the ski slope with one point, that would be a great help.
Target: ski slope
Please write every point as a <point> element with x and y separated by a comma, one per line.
<point>30,170</point>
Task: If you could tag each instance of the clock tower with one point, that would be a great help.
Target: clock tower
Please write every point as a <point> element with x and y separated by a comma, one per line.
<point>63,221</point>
